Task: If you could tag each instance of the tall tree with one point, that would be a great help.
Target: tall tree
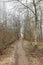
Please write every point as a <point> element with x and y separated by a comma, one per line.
<point>36,22</point>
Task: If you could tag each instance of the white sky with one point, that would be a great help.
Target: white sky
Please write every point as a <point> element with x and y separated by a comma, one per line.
<point>10,5</point>
<point>9,0</point>
<point>25,1</point>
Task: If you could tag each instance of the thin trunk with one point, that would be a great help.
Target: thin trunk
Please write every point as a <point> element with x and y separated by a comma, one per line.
<point>36,22</point>
<point>41,26</point>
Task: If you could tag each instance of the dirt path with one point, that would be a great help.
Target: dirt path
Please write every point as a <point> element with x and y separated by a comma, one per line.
<point>14,55</point>
<point>21,58</point>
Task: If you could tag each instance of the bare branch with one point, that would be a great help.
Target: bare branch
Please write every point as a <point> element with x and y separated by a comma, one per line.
<point>27,7</point>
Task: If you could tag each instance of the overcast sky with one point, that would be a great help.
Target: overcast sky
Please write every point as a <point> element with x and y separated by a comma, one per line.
<point>9,0</point>
<point>10,4</point>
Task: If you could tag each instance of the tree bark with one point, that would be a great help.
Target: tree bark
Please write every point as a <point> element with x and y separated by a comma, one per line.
<point>36,22</point>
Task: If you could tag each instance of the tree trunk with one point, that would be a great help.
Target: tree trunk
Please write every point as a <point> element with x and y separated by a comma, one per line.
<point>36,23</point>
<point>41,26</point>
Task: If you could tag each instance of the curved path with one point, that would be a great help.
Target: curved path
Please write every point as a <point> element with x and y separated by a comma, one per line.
<point>15,55</point>
<point>21,57</point>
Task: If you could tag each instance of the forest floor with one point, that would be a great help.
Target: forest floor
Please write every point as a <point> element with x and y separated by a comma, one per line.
<point>35,56</point>
<point>19,53</point>
<point>8,56</point>
<point>14,55</point>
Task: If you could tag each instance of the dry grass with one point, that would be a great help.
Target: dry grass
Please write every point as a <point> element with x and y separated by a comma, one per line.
<point>35,57</point>
<point>8,58</point>
<point>6,37</point>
